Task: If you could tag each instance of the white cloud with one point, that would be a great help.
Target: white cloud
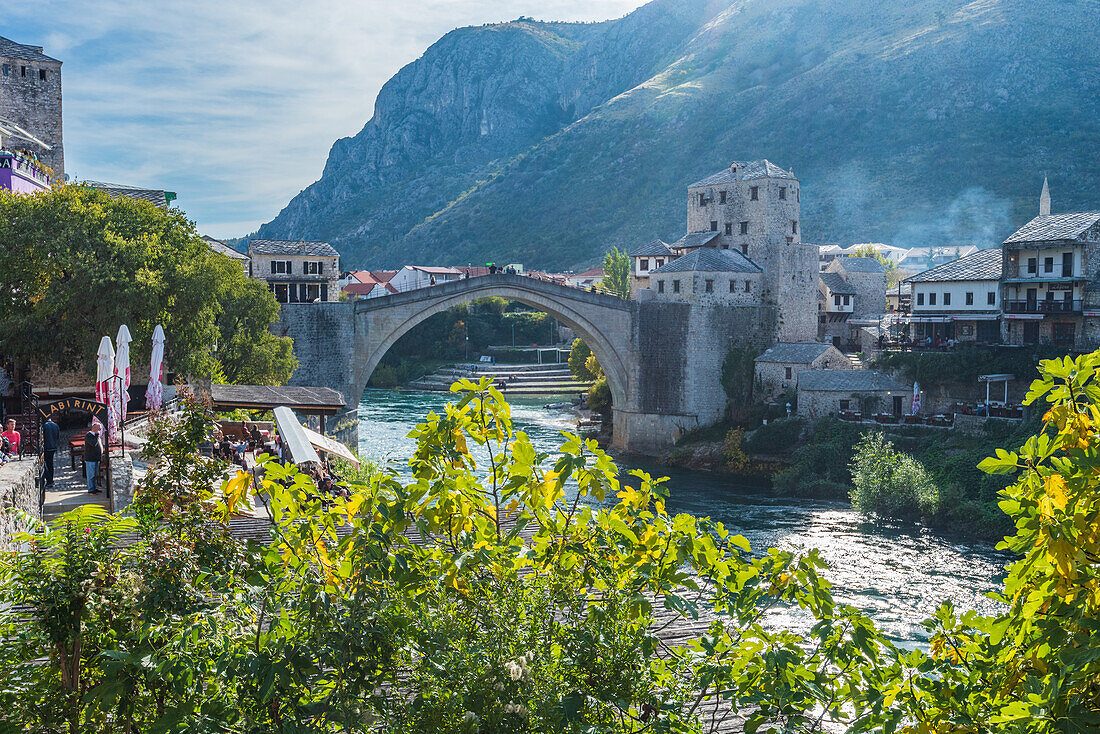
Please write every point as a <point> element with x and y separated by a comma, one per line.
<point>234,105</point>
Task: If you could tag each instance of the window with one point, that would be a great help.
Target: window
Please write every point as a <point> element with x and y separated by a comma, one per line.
<point>23,70</point>
<point>312,267</point>
<point>280,267</point>
<point>710,286</point>
<point>660,286</point>
<point>744,249</point>
<point>947,299</point>
<point>280,293</point>
<point>969,298</point>
<point>748,286</point>
<point>643,264</point>
<point>782,192</point>
<point>1032,265</point>
<point>754,193</point>
<point>1067,264</point>
<point>729,228</point>
<point>744,227</point>
<point>721,197</point>
<point>311,292</point>
<point>991,298</point>
<point>845,404</point>
<point>920,299</point>
<point>794,227</point>
<point>847,300</point>
<point>787,372</point>
<point>836,299</point>
<point>931,299</point>
<point>42,74</point>
<point>702,199</point>
<point>713,226</point>
<point>5,69</point>
<point>1048,264</point>
<point>675,286</point>
<point>1063,334</point>
<point>733,286</point>
<point>660,261</point>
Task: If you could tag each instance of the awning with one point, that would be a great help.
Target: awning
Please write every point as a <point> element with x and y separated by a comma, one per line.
<point>311,400</point>
<point>926,319</point>
<point>331,446</point>
<point>1024,316</point>
<point>996,378</point>
<point>978,317</point>
<point>293,437</point>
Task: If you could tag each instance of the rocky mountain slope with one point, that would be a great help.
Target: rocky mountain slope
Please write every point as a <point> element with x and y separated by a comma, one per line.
<point>548,143</point>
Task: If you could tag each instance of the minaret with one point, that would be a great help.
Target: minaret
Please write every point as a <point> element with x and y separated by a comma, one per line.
<point>1044,200</point>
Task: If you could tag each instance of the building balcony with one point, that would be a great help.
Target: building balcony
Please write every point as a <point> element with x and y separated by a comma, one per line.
<point>25,166</point>
<point>1044,307</point>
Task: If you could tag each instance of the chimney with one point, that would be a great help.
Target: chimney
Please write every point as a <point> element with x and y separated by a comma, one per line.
<point>733,167</point>
<point>1044,200</point>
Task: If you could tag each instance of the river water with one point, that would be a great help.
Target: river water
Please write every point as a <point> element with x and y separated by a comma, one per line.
<point>896,574</point>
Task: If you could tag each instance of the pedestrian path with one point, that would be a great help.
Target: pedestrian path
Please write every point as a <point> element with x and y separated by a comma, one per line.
<point>69,490</point>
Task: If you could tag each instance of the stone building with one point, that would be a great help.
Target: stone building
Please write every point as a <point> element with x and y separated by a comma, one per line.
<point>223,249</point>
<point>754,207</point>
<point>30,97</point>
<point>777,369</point>
<point>851,300</point>
<point>298,271</point>
<point>958,300</point>
<point>645,259</point>
<point>158,197</point>
<point>827,392</point>
<point>1050,266</point>
<point>707,277</point>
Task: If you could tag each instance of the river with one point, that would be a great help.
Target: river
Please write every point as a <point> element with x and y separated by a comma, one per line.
<point>896,574</point>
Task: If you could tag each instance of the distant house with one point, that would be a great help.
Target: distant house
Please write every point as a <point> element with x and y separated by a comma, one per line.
<point>586,280</point>
<point>827,392</point>
<point>223,249</point>
<point>363,284</point>
<point>644,259</point>
<point>778,368</point>
<point>411,277</point>
<point>851,301</point>
<point>298,271</point>
<point>958,300</point>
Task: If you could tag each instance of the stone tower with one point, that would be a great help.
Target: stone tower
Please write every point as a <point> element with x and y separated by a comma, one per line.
<point>30,96</point>
<point>755,207</point>
<point>1044,200</point>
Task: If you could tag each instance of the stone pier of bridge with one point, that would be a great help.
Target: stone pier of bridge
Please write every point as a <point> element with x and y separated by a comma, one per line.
<point>663,361</point>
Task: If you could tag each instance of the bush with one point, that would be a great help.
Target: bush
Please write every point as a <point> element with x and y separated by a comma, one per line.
<point>891,483</point>
<point>599,399</point>
<point>578,361</point>
<point>821,466</point>
<point>777,437</point>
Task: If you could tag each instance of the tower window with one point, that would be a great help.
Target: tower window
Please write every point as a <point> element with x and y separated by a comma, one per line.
<point>721,197</point>
<point>675,286</point>
<point>710,286</point>
<point>733,286</point>
<point>782,192</point>
<point>794,227</point>
<point>23,70</point>
<point>729,228</point>
<point>744,227</point>
<point>660,286</point>
<point>754,193</point>
<point>42,74</point>
<point>713,226</point>
<point>787,372</point>
<point>702,199</point>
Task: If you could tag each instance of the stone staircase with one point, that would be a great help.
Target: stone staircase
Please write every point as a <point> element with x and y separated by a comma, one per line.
<point>857,363</point>
<point>517,379</point>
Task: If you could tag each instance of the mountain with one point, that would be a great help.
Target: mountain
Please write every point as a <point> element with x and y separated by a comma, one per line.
<point>911,123</point>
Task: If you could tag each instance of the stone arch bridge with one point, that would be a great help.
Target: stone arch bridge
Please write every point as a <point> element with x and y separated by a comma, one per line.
<point>662,360</point>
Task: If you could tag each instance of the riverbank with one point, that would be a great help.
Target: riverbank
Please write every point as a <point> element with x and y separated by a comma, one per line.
<point>795,459</point>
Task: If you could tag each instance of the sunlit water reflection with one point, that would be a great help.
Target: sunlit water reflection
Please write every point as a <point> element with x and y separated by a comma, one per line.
<point>896,574</point>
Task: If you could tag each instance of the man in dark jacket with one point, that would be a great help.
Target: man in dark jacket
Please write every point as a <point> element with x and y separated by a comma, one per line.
<point>93,454</point>
<point>51,440</point>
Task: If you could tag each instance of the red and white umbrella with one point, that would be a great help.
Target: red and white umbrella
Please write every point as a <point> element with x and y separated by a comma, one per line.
<point>122,369</point>
<point>104,370</point>
<point>154,394</point>
<point>915,408</point>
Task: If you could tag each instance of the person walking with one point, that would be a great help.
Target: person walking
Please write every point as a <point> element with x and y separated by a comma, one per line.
<point>93,454</point>
<point>51,440</point>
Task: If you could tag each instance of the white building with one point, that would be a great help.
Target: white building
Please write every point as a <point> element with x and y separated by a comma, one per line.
<point>411,277</point>
<point>645,259</point>
<point>959,300</point>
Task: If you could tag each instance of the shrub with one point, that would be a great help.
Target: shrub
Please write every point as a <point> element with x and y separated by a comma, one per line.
<point>820,467</point>
<point>578,361</point>
<point>599,399</point>
<point>777,437</point>
<point>891,483</point>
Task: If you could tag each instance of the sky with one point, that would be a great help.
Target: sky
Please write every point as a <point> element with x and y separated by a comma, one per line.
<point>234,104</point>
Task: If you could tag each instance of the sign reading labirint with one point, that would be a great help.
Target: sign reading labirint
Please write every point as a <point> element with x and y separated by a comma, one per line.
<point>97,409</point>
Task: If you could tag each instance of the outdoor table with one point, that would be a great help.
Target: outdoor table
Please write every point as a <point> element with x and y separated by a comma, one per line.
<point>76,448</point>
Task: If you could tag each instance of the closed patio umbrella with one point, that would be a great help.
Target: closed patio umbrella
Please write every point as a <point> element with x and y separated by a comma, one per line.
<point>104,369</point>
<point>122,369</point>
<point>154,394</point>
<point>915,407</point>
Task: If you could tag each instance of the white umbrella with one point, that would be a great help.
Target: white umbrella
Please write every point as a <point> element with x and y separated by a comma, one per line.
<point>914,409</point>
<point>154,394</point>
<point>104,369</point>
<point>122,369</point>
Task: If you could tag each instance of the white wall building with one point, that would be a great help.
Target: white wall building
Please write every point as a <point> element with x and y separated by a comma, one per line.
<point>959,300</point>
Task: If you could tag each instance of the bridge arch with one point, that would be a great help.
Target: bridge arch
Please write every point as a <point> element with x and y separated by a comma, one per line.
<point>604,322</point>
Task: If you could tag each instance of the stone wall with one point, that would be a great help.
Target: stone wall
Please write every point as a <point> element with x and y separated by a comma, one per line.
<point>122,481</point>
<point>17,491</point>
<point>813,404</point>
<point>771,377</point>
<point>35,105</point>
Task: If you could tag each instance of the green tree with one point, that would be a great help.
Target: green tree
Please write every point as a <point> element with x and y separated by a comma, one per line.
<point>616,273</point>
<point>77,262</point>
<point>579,354</point>
<point>890,482</point>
